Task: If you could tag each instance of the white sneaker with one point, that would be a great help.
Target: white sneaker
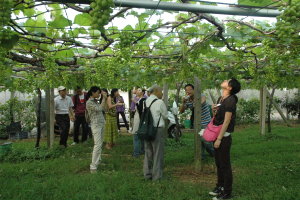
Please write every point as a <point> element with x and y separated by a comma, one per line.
<point>74,143</point>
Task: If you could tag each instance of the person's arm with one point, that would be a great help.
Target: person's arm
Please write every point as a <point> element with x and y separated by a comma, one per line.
<point>121,100</point>
<point>183,106</point>
<point>226,123</point>
<point>164,111</point>
<point>110,105</point>
<point>203,99</point>
<point>73,100</point>
<point>214,107</point>
<point>103,104</point>
<point>71,111</point>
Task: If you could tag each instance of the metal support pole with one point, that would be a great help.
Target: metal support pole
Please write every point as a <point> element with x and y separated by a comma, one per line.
<point>187,7</point>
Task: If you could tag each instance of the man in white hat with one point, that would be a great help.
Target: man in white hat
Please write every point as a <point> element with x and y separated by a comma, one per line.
<point>63,113</point>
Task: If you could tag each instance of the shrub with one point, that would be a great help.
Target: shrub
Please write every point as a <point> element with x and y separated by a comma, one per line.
<point>247,111</point>
<point>23,111</point>
<point>293,106</point>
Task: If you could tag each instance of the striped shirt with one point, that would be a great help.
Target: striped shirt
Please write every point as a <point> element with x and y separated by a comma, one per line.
<point>205,115</point>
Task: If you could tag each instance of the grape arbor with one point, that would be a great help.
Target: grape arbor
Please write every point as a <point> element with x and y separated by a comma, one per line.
<point>46,44</point>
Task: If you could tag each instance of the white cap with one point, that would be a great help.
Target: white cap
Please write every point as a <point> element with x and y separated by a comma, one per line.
<point>60,88</point>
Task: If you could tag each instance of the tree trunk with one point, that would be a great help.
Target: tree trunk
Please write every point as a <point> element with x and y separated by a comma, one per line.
<point>38,118</point>
<point>270,110</point>
<point>178,88</point>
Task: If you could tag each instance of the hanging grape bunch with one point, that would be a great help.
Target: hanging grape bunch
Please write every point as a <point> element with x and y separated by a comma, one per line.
<point>101,10</point>
<point>288,25</point>
<point>126,39</point>
<point>5,13</point>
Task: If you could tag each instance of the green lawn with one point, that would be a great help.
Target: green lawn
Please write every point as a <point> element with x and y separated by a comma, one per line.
<point>264,168</point>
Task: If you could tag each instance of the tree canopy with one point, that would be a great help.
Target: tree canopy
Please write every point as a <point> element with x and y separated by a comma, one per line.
<point>46,44</point>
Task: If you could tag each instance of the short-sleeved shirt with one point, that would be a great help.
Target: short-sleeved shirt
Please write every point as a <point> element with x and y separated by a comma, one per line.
<point>228,105</point>
<point>205,115</point>
<point>120,108</point>
<point>63,105</point>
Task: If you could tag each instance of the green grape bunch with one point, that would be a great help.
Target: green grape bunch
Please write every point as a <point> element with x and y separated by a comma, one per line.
<point>126,39</point>
<point>288,25</point>
<point>5,11</point>
<point>5,15</point>
<point>101,11</point>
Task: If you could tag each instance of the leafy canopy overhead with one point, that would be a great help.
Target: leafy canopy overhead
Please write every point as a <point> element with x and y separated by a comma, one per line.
<point>50,44</point>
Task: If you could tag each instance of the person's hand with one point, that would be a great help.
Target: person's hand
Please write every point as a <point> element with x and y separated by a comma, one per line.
<point>72,119</point>
<point>214,107</point>
<point>217,143</point>
<point>184,100</point>
<point>120,104</point>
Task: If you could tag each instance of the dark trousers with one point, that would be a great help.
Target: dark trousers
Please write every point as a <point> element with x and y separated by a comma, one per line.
<point>63,121</point>
<point>124,119</point>
<point>222,158</point>
<point>80,121</point>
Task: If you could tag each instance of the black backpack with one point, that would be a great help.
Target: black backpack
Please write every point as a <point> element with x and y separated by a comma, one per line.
<point>147,131</point>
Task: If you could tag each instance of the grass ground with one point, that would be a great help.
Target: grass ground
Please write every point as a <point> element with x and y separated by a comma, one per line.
<point>264,168</point>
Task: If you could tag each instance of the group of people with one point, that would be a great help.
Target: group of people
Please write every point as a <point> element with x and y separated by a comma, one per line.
<point>101,111</point>
<point>75,109</point>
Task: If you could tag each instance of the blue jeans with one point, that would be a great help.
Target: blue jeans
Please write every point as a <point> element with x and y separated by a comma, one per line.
<point>208,146</point>
<point>138,146</point>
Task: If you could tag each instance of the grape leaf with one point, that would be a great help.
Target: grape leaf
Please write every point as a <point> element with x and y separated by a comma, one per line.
<point>83,19</point>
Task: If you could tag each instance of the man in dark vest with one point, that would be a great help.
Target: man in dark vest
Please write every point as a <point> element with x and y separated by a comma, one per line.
<point>79,101</point>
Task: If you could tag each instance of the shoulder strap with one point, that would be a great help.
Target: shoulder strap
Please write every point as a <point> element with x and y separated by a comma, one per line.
<point>152,102</point>
<point>158,121</point>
